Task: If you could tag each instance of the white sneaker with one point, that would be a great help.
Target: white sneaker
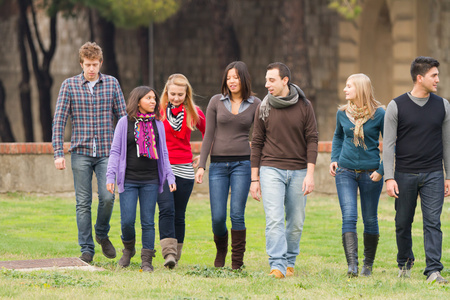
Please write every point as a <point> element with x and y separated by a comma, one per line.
<point>436,277</point>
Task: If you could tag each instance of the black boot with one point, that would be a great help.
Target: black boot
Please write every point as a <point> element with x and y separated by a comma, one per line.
<point>350,242</point>
<point>370,249</point>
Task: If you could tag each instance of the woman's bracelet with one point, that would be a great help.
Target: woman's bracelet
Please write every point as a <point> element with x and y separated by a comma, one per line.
<point>255,180</point>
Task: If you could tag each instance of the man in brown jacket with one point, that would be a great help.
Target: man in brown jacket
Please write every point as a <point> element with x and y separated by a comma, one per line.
<point>284,152</point>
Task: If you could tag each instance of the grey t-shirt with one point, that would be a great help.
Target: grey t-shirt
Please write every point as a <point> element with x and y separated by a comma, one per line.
<point>390,136</point>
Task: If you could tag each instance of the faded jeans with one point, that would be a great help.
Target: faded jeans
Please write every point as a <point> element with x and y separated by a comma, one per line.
<point>83,167</point>
<point>283,199</point>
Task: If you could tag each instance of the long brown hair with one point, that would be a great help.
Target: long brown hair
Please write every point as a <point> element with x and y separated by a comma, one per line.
<point>135,96</point>
<point>191,115</point>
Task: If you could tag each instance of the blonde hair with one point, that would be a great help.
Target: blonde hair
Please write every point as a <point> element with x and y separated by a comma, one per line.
<point>364,93</point>
<point>191,114</point>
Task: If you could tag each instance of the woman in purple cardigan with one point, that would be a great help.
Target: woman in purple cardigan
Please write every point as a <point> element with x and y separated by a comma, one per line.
<point>139,162</point>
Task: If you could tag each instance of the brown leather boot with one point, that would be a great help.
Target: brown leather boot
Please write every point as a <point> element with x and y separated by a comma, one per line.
<point>222,250</point>
<point>147,258</point>
<point>169,252</point>
<point>128,252</point>
<point>237,248</point>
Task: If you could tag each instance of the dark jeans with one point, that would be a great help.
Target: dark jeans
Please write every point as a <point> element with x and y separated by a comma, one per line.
<point>348,182</point>
<point>83,168</point>
<point>147,194</point>
<point>430,187</point>
<point>172,209</point>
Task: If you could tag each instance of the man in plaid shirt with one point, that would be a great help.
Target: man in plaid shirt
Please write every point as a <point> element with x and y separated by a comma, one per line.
<point>91,99</point>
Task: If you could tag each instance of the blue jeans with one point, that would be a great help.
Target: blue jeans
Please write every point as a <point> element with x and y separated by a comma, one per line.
<point>430,187</point>
<point>147,194</point>
<point>223,176</point>
<point>83,167</point>
<point>283,199</point>
<point>347,184</point>
<point>172,209</point>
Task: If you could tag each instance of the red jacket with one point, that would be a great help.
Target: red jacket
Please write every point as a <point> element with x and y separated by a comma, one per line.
<point>180,147</point>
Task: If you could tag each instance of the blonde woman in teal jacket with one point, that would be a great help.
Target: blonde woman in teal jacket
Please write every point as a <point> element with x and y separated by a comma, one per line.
<point>356,164</point>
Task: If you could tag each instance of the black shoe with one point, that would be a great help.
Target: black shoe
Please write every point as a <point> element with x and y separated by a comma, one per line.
<point>86,257</point>
<point>107,247</point>
<point>350,242</point>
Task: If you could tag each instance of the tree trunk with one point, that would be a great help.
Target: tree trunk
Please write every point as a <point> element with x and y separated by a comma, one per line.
<point>6,135</point>
<point>225,40</point>
<point>42,72</point>
<point>104,35</point>
<point>295,48</point>
<point>144,51</point>
<point>24,85</point>
<point>45,82</point>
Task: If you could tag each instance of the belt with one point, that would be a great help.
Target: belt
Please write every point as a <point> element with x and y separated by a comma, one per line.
<point>362,171</point>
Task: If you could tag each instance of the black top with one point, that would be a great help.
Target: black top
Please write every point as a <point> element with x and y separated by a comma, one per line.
<point>419,135</point>
<point>140,169</point>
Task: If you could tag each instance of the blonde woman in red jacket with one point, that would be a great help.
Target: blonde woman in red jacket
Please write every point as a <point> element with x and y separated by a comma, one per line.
<point>180,116</point>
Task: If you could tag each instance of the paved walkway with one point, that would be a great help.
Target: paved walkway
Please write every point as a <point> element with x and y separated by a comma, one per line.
<point>51,263</point>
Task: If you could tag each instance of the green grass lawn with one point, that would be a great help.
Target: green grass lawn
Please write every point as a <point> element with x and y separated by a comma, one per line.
<point>36,227</point>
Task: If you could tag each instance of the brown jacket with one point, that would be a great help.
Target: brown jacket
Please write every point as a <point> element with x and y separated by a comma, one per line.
<point>287,139</point>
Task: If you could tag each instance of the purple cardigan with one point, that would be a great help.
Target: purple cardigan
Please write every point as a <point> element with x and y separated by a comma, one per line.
<point>118,157</point>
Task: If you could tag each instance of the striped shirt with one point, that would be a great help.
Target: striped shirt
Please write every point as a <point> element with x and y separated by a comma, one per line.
<point>185,171</point>
<point>91,114</point>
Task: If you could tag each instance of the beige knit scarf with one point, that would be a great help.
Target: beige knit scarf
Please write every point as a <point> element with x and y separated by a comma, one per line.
<point>358,116</point>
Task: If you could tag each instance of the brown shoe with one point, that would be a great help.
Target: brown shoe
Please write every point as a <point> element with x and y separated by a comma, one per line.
<point>276,273</point>
<point>290,271</point>
<point>147,258</point>
<point>237,248</point>
<point>222,249</point>
<point>128,252</point>
<point>86,257</point>
<point>107,247</point>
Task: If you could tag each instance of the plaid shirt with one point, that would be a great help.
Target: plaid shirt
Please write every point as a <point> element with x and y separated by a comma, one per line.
<point>91,115</point>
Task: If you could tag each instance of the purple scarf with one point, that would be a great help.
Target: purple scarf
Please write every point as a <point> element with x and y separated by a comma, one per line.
<point>144,135</point>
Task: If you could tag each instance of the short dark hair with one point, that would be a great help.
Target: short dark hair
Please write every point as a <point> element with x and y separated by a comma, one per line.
<point>135,96</point>
<point>421,65</point>
<point>244,76</point>
<point>282,68</point>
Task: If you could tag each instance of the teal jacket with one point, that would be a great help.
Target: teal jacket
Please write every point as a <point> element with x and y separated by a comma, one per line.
<point>346,154</point>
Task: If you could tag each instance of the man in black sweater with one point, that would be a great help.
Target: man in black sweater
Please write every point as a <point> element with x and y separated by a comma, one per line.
<point>417,134</point>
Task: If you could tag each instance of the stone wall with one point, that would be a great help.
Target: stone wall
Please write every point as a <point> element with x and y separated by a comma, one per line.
<point>29,168</point>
